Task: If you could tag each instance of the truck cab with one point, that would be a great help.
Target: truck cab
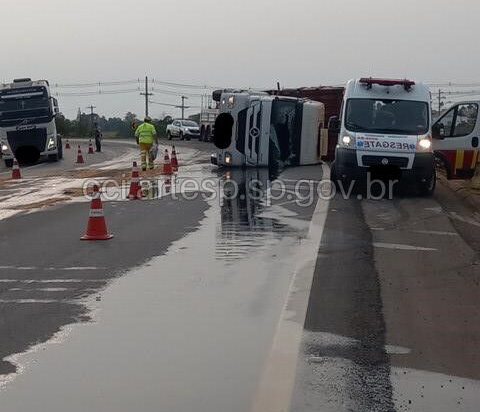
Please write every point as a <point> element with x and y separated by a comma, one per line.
<point>257,129</point>
<point>456,140</point>
<point>27,122</point>
<point>385,128</point>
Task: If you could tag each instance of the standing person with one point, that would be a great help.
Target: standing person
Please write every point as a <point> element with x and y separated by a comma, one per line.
<point>146,135</point>
<point>98,138</point>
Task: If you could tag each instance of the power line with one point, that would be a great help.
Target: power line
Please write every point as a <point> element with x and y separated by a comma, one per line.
<point>96,92</point>
<point>95,84</point>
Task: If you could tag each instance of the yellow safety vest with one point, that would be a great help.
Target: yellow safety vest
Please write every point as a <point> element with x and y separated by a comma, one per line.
<point>146,133</point>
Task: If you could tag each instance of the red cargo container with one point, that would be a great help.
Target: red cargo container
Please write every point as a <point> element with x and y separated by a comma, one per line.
<point>331,97</point>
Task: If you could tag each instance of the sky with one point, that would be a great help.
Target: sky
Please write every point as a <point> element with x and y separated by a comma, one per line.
<point>231,43</point>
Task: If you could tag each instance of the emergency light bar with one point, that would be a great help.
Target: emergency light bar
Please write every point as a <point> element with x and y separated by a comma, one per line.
<point>369,82</point>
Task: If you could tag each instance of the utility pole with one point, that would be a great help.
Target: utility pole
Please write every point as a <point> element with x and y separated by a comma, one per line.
<point>441,96</point>
<point>92,114</point>
<point>183,106</point>
<point>147,95</point>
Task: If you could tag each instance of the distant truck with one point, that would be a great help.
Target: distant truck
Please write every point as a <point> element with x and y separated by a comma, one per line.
<point>27,122</point>
<point>183,129</point>
<point>385,127</point>
<point>256,129</point>
<point>208,115</point>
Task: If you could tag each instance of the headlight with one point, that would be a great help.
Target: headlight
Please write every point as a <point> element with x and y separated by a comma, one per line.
<point>347,141</point>
<point>51,143</point>
<point>4,147</point>
<point>228,158</point>
<point>425,143</point>
<point>231,101</point>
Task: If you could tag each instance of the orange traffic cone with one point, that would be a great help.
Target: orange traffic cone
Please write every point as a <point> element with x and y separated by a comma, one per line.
<point>16,174</point>
<point>135,189</point>
<point>90,147</point>
<point>80,159</point>
<point>174,160</point>
<point>67,144</point>
<point>167,165</point>
<point>97,227</point>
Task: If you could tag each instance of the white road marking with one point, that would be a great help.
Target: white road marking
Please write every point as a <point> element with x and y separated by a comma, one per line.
<point>397,350</point>
<point>39,290</point>
<point>25,301</point>
<point>73,268</point>
<point>435,232</point>
<point>275,390</point>
<point>27,281</point>
<point>397,246</point>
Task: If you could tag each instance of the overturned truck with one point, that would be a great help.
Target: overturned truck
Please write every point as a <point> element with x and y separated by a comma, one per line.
<point>258,129</point>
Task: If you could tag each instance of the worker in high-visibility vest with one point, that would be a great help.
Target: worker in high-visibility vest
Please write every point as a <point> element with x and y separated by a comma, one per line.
<point>146,135</point>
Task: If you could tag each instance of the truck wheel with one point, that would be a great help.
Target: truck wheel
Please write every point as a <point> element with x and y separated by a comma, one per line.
<point>169,136</point>
<point>427,189</point>
<point>9,162</point>
<point>60,148</point>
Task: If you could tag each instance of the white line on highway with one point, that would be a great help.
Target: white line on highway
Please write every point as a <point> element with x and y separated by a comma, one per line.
<point>397,246</point>
<point>276,385</point>
<point>39,290</point>
<point>435,232</point>
<point>73,268</point>
<point>23,301</point>
<point>52,280</point>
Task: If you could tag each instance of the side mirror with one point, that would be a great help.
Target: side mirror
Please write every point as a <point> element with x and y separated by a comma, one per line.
<point>438,131</point>
<point>334,124</point>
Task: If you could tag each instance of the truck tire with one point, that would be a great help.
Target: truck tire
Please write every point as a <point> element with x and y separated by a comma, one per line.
<point>426,189</point>
<point>60,148</point>
<point>9,162</point>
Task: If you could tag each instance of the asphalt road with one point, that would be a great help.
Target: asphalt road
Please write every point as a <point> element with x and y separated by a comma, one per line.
<point>239,298</point>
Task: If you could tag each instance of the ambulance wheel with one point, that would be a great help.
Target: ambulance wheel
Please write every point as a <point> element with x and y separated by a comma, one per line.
<point>9,162</point>
<point>427,189</point>
<point>333,175</point>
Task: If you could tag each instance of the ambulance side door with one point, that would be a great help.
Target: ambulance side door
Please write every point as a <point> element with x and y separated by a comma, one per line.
<point>457,147</point>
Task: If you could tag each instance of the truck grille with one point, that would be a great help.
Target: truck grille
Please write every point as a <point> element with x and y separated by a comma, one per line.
<point>34,137</point>
<point>378,161</point>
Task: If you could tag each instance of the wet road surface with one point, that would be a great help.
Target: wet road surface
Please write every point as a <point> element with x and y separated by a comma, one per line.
<point>197,301</point>
<point>393,315</point>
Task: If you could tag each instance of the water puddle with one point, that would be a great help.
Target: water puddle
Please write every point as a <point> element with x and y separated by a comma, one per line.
<point>188,331</point>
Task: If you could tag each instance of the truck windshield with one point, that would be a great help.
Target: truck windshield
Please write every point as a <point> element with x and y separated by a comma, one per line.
<point>30,107</point>
<point>404,117</point>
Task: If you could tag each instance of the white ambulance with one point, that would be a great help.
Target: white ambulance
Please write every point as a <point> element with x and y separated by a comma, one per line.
<point>257,129</point>
<point>385,128</point>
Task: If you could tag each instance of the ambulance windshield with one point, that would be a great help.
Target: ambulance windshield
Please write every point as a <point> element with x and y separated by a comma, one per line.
<point>403,117</point>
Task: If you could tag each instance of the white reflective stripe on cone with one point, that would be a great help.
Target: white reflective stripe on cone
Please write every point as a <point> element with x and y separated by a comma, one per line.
<point>96,213</point>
